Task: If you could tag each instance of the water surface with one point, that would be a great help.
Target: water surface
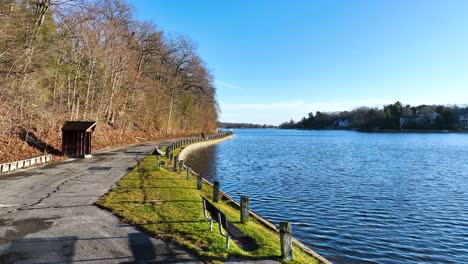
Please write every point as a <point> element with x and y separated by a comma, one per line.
<point>353,197</point>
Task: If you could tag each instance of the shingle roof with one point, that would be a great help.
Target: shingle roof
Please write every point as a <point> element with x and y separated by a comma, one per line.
<point>78,125</point>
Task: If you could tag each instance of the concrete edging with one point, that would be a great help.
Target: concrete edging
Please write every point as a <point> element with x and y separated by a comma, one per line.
<point>199,145</point>
<point>15,165</point>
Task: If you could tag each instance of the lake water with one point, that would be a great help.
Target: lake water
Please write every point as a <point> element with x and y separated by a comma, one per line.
<point>353,197</point>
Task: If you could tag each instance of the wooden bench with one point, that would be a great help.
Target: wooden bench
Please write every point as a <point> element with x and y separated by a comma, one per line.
<point>220,217</point>
<point>157,151</point>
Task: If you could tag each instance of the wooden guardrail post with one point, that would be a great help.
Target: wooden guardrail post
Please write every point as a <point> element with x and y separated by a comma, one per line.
<point>171,156</point>
<point>199,181</point>
<point>189,173</point>
<point>216,191</point>
<point>286,240</point>
<point>176,160</point>
<point>245,206</point>
<point>181,166</point>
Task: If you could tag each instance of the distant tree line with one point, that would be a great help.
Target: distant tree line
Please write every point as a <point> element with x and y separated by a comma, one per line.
<point>391,117</point>
<point>91,59</point>
<point>243,125</point>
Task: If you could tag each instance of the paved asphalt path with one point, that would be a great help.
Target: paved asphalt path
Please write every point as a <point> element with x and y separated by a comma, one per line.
<point>47,215</point>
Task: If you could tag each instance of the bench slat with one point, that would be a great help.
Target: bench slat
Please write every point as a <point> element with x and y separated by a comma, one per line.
<point>234,231</point>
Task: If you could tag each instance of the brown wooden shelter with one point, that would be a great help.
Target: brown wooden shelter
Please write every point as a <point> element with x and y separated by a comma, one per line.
<point>76,138</point>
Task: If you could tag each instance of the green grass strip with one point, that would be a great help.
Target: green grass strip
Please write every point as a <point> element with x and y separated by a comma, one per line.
<point>166,205</point>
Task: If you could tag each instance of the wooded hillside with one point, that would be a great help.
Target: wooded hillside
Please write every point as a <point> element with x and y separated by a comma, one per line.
<point>92,60</point>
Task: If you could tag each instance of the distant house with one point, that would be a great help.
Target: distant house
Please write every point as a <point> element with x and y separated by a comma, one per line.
<point>420,119</point>
<point>407,120</point>
<point>463,121</point>
<point>426,118</point>
<point>433,117</point>
<point>343,123</point>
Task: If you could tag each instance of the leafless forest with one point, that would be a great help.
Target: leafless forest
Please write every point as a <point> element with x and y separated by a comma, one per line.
<point>92,60</point>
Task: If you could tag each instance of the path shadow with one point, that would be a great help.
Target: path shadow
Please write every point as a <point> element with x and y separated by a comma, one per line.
<point>145,251</point>
<point>141,246</point>
<point>40,250</point>
<point>136,152</point>
<point>37,143</point>
<point>53,250</point>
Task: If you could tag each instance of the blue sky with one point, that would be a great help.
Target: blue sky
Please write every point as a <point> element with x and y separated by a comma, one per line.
<point>275,60</point>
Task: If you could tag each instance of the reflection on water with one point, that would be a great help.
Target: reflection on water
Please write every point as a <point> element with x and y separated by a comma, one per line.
<point>353,197</point>
<point>204,161</point>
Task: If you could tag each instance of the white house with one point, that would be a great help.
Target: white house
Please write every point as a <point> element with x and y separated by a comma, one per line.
<point>433,116</point>
<point>405,120</point>
<point>343,123</point>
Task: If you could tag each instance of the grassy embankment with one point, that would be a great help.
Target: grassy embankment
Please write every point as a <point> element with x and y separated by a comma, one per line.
<point>167,205</point>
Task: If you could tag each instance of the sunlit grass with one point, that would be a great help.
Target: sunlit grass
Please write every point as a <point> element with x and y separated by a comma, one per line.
<point>167,205</point>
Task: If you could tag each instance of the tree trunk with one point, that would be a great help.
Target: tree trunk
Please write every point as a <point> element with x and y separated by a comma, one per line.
<point>90,77</point>
<point>168,128</point>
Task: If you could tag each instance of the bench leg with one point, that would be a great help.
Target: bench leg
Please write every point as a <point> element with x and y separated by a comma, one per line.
<point>211,225</point>
<point>227,242</point>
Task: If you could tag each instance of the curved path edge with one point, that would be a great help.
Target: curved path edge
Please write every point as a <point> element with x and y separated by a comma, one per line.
<point>184,153</point>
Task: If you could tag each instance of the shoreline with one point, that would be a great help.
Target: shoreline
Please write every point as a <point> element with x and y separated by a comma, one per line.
<point>185,152</point>
<point>190,149</point>
<point>404,131</point>
<point>174,218</point>
<point>415,131</point>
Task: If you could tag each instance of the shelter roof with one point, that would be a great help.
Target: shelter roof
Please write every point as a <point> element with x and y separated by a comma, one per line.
<point>88,126</point>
